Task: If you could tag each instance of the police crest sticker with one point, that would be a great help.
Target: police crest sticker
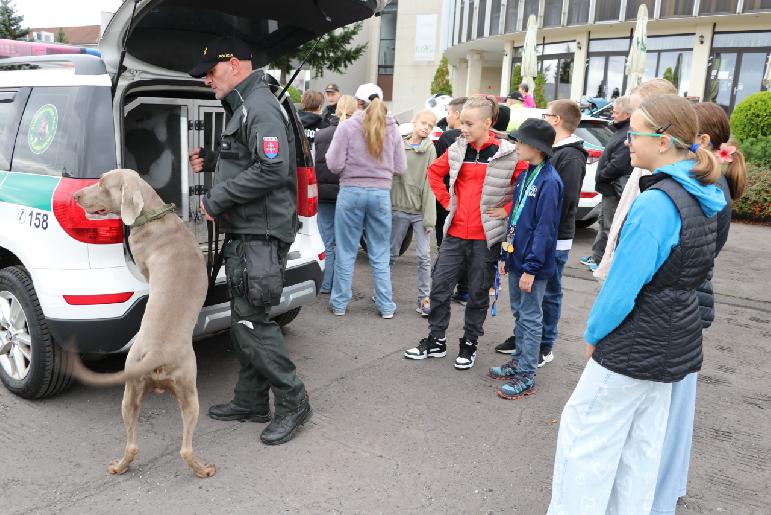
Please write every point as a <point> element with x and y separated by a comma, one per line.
<point>42,128</point>
<point>270,146</point>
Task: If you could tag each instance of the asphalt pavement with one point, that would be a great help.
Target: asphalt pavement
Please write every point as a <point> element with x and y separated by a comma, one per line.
<point>390,435</point>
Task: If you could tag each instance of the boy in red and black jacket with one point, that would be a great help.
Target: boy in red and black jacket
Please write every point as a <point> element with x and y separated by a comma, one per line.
<point>481,170</point>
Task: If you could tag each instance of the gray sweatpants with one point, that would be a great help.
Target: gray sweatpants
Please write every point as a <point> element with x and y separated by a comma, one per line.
<point>400,223</point>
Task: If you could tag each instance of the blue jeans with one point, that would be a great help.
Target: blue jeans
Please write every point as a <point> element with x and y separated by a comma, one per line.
<point>359,209</point>
<point>326,220</point>
<point>676,455</point>
<point>528,315</point>
<point>552,302</point>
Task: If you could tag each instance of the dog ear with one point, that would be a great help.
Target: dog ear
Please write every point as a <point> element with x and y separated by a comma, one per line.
<point>131,202</point>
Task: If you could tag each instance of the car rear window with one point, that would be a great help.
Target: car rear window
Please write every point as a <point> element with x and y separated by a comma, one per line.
<point>595,134</point>
<point>66,131</point>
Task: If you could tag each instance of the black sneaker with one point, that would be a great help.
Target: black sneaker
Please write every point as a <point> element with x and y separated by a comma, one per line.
<point>466,355</point>
<point>428,348</point>
<point>544,357</point>
<point>507,347</point>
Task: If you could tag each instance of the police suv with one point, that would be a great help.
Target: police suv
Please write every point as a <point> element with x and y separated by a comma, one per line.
<point>67,282</point>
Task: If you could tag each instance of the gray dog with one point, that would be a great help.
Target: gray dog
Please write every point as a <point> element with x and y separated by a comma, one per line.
<point>162,356</point>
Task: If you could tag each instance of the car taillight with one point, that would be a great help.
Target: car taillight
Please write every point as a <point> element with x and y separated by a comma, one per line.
<point>73,219</point>
<point>307,191</point>
<point>88,300</point>
<point>594,156</point>
<point>588,194</point>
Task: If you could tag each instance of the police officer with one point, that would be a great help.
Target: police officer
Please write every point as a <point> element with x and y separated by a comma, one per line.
<point>254,199</point>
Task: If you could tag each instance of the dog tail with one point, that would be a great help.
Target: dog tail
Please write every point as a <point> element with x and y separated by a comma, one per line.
<point>147,364</point>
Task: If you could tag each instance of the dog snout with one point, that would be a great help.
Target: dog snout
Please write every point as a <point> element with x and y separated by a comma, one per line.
<point>76,196</point>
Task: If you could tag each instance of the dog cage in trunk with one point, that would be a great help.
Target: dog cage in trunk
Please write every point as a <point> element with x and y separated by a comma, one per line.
<point>158,134</point>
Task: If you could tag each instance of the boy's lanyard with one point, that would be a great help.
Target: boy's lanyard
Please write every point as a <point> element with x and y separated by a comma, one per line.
<point>508,244</point>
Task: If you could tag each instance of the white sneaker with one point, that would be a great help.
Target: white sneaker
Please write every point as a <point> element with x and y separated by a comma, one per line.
<point>424,307</point>
<point>467,355</point>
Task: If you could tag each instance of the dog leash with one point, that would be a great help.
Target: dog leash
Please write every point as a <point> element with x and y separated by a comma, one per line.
<point>214,259</point>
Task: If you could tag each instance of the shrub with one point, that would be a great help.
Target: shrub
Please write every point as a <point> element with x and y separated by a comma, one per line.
<point>669,75</point>
<point>755,204</point>
<point>539,95</point>
<point>441,83</point>
<point>752,117</point>
<point>758,150</point>
<point>516,78</point>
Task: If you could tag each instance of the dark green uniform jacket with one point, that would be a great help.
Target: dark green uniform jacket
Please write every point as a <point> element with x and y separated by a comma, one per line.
<point>254,189</point>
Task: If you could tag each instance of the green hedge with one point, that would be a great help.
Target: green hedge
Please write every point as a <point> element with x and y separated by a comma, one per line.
<point>752,117</point>
<point>758,150</point>
<point>755,204</point>
<point>294,94</point>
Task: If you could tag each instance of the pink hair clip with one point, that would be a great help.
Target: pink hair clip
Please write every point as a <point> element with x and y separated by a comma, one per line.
<point>725,153</point>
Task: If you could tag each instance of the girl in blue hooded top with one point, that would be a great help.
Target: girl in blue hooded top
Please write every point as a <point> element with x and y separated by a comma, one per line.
<point>644,330</point>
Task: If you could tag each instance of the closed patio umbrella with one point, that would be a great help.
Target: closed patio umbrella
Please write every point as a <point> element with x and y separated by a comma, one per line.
<point>635,63</point>
<point>529,57</point>
<point>767,76</point>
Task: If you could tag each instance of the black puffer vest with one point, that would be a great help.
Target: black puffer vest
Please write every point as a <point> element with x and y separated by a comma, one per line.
<point>660,340</point>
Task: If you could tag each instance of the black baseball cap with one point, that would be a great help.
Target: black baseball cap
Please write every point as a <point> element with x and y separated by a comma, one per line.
<point>220,50</point>
<point>537,134</point>
<point>515,95</point>
<point>332,87</point>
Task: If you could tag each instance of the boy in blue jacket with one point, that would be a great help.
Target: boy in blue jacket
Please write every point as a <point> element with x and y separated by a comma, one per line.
<point>527,253</point>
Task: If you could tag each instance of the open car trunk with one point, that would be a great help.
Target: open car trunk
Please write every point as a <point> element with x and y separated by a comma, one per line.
<point>166,37</point>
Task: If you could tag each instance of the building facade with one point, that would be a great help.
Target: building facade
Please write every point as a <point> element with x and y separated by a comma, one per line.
<point>714,50</point>
<point>404,46</point>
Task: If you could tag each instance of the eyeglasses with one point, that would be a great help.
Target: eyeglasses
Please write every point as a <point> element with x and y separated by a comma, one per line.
<point>630,134</point>
<point>546,115</point>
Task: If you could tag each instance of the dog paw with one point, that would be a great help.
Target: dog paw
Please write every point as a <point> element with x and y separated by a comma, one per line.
<point>117,467</point>
<point>206,471</point>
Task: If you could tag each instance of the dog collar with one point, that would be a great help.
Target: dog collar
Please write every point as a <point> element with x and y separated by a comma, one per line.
<point>155,214</point>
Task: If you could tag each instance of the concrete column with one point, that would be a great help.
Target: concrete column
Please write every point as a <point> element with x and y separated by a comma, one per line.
<point>508,56</point>
<point>459,78</point>
<point>474,75</point>
<point>373,42</point>
<point>700,61</point>
<point>579,66</point>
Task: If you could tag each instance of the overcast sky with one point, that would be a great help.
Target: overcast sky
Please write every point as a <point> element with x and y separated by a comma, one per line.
<point>63,13</point>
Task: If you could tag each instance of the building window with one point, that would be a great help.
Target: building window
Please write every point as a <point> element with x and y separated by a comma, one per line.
<point>470,15</point>
<point>608,10</point>
<point>512,9</point>
<point>531,7</point>
<point>609,45</point>
<point>757,5</point>
<point>632,6</point>
<point>495,18</point>
<point>481,18</point>
<point>558,74</point>
<point>578,12</point>
<point>742,39</point>
<point>717,7</point>
<point>385,63</point>
<point>670,8</point>
<point>552,13</point>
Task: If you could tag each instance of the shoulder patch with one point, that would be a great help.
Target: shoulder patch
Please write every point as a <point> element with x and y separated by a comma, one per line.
<point>270,146</point>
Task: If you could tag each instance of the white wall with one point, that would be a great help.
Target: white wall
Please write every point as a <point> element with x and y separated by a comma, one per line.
<point>412,76</point>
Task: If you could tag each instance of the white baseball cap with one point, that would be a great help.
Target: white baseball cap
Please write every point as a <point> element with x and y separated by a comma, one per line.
<point>366,91</point>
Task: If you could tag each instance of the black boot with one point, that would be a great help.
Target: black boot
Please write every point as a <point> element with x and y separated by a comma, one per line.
<point>283,429</point>
<point>507,347</point>
<point>230,411</point>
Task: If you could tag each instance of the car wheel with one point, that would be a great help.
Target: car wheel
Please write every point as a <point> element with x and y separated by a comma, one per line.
<point>286,318</point>
<point>583,224</point>
<point>31,364</point>
<point>405,243</point>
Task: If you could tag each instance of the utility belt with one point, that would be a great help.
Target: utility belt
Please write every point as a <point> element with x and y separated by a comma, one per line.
<point>249,237</point>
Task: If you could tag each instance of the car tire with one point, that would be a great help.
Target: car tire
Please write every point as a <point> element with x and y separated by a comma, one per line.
<point>583,224</point>
<point>45,369</point>
<point>405,243</point>
<point>285,319</point>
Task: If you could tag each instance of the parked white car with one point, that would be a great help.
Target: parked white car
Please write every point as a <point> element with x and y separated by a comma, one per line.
<point>67,283</point>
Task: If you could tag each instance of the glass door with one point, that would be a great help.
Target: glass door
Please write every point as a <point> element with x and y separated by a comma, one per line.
<point>749,80</point>
<point>733,76</point>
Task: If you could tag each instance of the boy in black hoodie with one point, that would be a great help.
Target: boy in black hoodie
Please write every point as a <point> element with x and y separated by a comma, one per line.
<point>569,160</point>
